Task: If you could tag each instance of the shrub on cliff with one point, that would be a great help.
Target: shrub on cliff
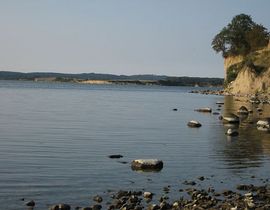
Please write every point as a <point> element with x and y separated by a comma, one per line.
<point>240,37</point>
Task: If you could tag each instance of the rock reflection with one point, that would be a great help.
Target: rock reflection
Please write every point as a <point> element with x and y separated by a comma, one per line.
<point>251,146</point>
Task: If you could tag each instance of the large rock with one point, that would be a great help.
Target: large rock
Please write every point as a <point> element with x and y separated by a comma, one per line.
<point>147,164</point>
<point>205,109</point>
<point>194,124</point>
<point>231,118</point>
<point>264,124</point>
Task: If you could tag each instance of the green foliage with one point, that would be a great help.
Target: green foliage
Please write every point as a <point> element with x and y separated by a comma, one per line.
<point>240,37</point>
<point>232,73</point>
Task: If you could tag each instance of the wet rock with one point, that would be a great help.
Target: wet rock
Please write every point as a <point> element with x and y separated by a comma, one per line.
<point>123,162</point>
<point>96,207</point>
<point>263,124</point>
<point>61,206</point>
<point>148,195</point>
<point>165,206</point>
<point>98,199</point>
<point>194,124</point>
<point>219,103</point>
<point>244,187</point>
<point>166,189</point>
<point>231,118</point>
<point>220,117</point>
<point>115,156</point>
<point>147,164</point>
<point>86,208</point>
<point>243,110</point>
<point>232,132</point>
<point>175,110</point>
<point>153,207</point>
<point>31,203</point>
<point>205,109</point>
<point>227,192</point>
<point>189,183</point>
<point>201,178</point>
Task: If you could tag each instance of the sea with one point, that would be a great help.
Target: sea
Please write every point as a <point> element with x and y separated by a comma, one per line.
<point>55,139</point>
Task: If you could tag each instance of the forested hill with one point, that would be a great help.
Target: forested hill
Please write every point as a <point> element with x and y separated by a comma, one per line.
<point>138,79</point>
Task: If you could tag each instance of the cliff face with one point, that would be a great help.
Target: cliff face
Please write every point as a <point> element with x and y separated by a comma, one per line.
<point>229,61</point>
<point>249,82</point>
<point>251,74</point>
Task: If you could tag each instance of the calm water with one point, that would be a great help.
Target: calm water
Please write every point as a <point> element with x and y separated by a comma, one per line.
<point>55,139</point>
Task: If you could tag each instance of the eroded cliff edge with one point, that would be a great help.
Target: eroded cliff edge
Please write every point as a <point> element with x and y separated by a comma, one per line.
<point>248,74</point>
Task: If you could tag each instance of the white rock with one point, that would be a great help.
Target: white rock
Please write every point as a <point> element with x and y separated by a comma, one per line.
<point>147,164</point>
<point>194,124</point>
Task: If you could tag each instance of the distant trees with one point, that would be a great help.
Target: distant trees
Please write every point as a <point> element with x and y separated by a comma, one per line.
<point>240,37</point>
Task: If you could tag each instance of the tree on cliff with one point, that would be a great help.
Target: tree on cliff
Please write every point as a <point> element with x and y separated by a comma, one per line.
<point>240,37</point>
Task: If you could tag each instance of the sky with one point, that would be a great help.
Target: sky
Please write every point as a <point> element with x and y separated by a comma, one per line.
<point>163,37</point>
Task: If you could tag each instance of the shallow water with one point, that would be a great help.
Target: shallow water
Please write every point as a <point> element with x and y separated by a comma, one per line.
<point>55,139</point>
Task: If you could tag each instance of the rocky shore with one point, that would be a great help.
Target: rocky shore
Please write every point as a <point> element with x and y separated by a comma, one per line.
<point>263,98</point>
<point>246,197</point>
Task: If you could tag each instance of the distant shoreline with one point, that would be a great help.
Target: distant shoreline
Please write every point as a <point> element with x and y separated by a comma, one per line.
<point>93,78</point>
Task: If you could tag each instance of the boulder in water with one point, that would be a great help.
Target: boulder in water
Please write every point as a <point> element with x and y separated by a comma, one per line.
<point>147,164</point>
<point>231,118</point>
<point>205,109</point>
<point>194,124</point>
<point>232,132</point>
<point>264,124</point>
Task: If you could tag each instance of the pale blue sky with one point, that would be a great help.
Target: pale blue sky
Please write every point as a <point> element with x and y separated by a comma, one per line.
<point>167,37</point>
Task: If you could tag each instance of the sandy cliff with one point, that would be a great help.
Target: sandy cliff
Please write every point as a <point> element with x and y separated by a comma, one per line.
<point>251,74</point>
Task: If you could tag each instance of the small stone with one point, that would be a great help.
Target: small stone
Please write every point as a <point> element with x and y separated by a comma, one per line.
<point>232,132</point>
<point>61,206</point>
<point>153,207</point>
<point>248,194</point>
<point>189,183</point>
<point>98,199</point>
<point>31,203</point>
<point>115,156</point>
<point>219,102</point>
<point>175,110</point>
<point>96,207</point>
<point>201,178</point>
<point>148,195</point>
<point>227,192</point>
<point>194,124</point>
<point>166,189</point>
<point>205,109</point>
<point>86,208</point>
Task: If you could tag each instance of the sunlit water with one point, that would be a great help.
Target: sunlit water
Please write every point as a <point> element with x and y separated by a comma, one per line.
<point>55,139</point>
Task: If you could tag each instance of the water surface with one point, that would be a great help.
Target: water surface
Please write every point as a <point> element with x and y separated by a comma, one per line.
<point>55,139</point>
